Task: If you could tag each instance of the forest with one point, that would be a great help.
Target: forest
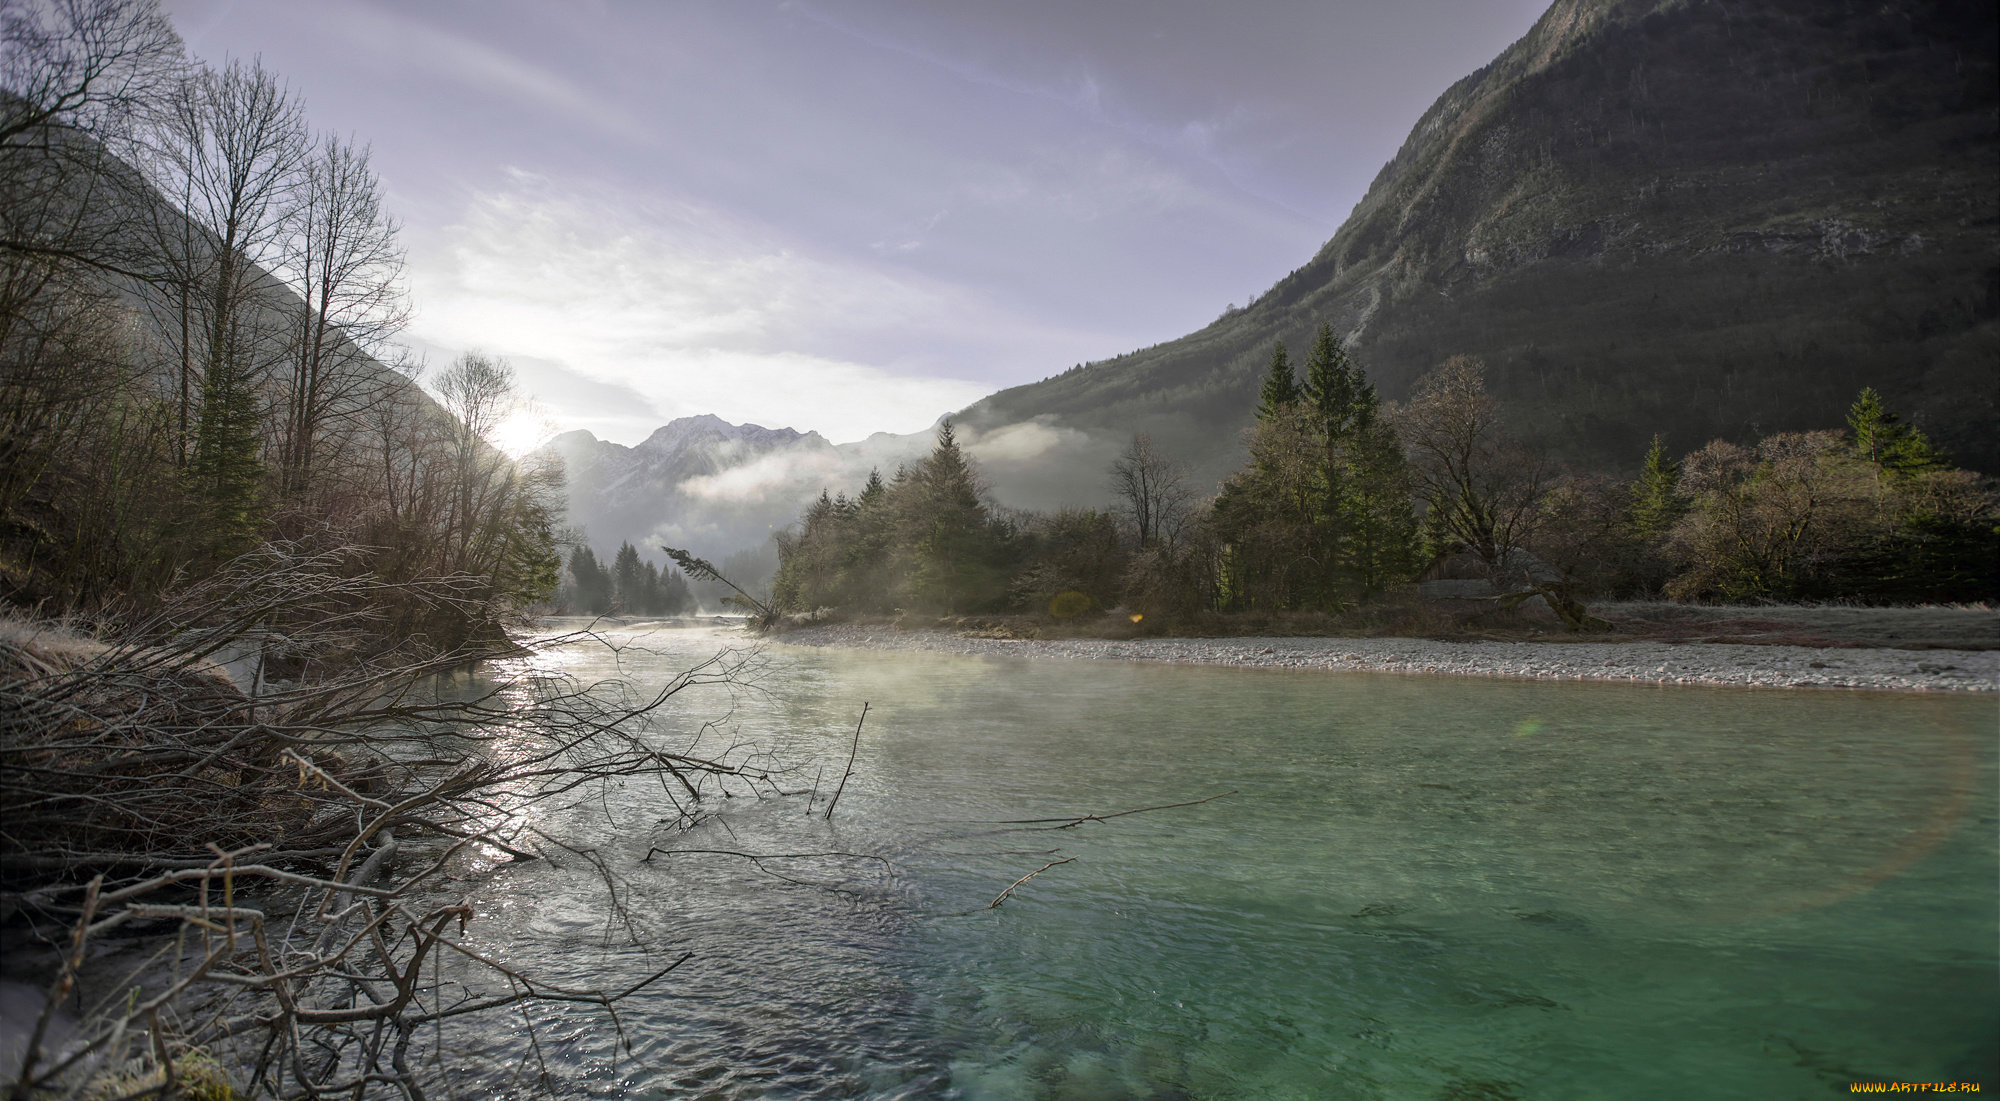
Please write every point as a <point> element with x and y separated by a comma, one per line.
<point>246,561</point>
<point>1346,502</point>
<point>199,297</point>
<point>629,586</point>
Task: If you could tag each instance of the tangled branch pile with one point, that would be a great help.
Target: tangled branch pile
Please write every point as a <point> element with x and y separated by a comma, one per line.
<point>294,828</point>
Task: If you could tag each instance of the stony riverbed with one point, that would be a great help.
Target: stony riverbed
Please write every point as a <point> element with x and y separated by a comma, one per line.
<point>1642,662</point>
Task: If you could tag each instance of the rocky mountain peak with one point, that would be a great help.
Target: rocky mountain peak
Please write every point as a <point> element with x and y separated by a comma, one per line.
<point>1678,217</point>
<point>707,429</point>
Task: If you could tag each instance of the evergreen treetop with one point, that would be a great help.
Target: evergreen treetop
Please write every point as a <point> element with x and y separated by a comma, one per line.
<point>1656,497</point>
<point>1335,387</point>
<point>1281,390</point>
<point>1881,437</point>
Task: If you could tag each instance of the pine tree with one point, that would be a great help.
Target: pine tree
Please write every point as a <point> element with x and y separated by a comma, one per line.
<point>227,473</point>
<point>1331,385</point>
<point>1873,425</point>
<point>594,593</point>
<point>1881,437</point>
<point>1281,390</point>
<point>627,581</point>
<point>947,528</point>
<point>1380,548</point>
<point>675,596</point>
<point>1656,496</point>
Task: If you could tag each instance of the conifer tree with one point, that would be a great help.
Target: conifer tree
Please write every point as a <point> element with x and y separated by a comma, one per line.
<point>652,600</point>
<point>1331,384</point>
<point>948,529</point>
<point>1656,496</point>
<point>1881,437</point>
<point>227,471</point>
<point>675,596</point>
<point>594,593</point>
<point>628,581</point>
<point>1281,390</point>
<point>1377,520</point>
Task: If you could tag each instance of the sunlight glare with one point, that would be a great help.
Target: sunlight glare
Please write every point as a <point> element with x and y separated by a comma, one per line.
<point>520,433</point>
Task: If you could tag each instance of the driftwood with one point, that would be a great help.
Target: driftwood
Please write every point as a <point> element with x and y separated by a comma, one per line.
<point>1071,823</point>
<point>1568,609</point>
<point>142,785</point>
<point>851,751</point>
<point>1002,896</point>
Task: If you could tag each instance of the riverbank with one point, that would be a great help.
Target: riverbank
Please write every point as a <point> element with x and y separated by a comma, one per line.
<point>1764,666</point>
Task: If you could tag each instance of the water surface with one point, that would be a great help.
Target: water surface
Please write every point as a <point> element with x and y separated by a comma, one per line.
<point>1420,888</point>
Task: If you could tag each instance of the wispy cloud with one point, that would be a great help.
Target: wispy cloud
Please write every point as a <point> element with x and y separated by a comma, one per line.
<point>397,40</point>
<point>690,308</point>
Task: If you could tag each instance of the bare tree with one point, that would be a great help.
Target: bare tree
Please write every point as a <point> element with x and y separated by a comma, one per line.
<point>81,65</point>
<point>478,391</point>
<point>1483,488</point>
<point>78,78</point>
<point>1154,489</point>
<point>496,516</point>
<point>343,260</point>
<point>227,154</point>
<point>1768,523</point>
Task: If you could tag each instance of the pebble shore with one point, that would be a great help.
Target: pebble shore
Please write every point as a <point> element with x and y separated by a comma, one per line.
<point>1632,662</point>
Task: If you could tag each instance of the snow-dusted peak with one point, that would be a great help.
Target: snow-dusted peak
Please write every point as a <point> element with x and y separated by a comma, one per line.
<point>677,435</point>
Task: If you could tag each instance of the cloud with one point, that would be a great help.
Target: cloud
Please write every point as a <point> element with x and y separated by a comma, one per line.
<point>394,39</point>
<point>794,474</point>
<point>1038,464</point>
<point>688,308</point>
<point>1019,442</point>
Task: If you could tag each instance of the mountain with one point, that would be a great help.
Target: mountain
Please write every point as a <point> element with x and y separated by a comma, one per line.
<point>697,482</point>
<point>718,488</point>
<point>1686,217</point>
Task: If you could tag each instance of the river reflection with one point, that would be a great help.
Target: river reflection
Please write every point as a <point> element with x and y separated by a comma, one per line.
<point>1421,887</point>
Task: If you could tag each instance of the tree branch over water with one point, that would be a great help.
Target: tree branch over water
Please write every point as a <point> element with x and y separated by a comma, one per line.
<point>1003,895</point>
<point>144,786</point>
<point>1069,823</point>
<point>851,751</point>
<point>701,569</point>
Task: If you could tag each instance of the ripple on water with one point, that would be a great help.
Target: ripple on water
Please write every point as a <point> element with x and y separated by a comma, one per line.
<point>1423,888</point>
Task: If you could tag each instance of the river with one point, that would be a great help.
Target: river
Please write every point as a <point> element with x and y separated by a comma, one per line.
<point>1416,887</point>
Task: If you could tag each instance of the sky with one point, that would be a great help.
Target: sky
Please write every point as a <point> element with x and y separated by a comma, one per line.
<point>847,216</point>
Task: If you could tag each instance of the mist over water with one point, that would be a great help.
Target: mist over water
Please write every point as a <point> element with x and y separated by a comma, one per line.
<point>1421,887</point>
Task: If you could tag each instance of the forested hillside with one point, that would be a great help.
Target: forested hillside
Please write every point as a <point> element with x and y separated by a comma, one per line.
<point>198,298</point>
<point>1426,515</point>
<point>1683,217</point>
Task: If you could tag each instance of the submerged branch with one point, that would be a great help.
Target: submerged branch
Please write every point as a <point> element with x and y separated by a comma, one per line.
<point>1002,896</point>
<point>1067,823</point>
<point>851,751</point>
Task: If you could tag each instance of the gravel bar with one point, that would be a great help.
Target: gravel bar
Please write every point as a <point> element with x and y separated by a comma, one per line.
<point>1635,662</point>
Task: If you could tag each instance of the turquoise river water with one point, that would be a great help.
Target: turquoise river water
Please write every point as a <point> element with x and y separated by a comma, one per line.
<point>1419,888</point>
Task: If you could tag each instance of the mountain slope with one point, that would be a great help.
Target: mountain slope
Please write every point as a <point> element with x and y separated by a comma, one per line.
<point>1683,217</point>
<point>666,487</point>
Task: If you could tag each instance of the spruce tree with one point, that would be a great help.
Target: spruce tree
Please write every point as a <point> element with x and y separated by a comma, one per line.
<point>1881,437</point>
<point>1380,544</point>
<point>651,599</point>
<point>228,472</point>
<point>1656,498</point>
<point>947,530</point>
<point>593,586</point>
<point>1281,390</point>
<point>675,596</point>
<point>627,581</point>
<point>1370,508</point>
<point>1330,384</point>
